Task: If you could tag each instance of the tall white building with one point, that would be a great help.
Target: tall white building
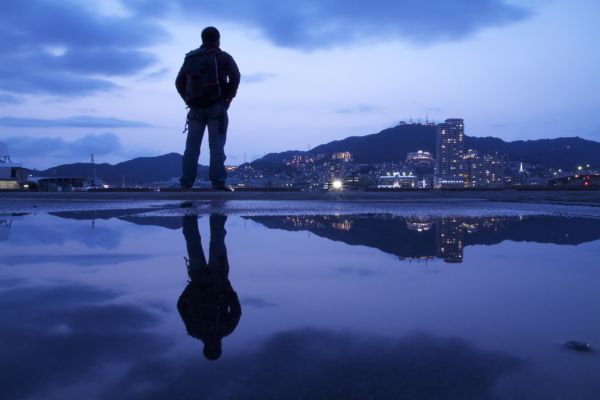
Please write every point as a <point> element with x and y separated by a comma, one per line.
<point>450,152</point>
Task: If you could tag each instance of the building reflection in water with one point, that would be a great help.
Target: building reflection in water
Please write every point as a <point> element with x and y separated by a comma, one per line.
<point>209,307</point>
<point>450,239</point>
<point>414,238</point>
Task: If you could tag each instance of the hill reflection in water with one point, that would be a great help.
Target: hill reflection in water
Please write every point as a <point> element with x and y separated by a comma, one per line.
<point>444,238</point>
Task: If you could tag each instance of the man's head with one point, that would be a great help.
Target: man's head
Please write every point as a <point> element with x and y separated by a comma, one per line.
<point>211,36</point>
<point>212,349</point>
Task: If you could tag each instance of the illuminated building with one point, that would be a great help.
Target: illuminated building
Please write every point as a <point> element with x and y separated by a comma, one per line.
<point>450,151</point>
<point>343,155</point>
<point>397,181</point>
<point>583,181</point>
<point>344,225</point>
<point>11,174</point>
<point>450,240</point>
<point>420,158</point>
<point>419,225</point>
<point>483,170</point>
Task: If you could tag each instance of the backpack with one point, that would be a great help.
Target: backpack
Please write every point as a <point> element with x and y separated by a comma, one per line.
<point>202,84</point>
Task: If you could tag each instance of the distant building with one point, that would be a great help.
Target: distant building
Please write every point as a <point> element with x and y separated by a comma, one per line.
<point>397,181</point>
<point>57,184</point>
<point>12,176</point>
<point>583,181</point>
<point>343,155</point>
<point>450,240</point>
<point>420,158</point>
<point>481,171</point>
<point>450,152</point>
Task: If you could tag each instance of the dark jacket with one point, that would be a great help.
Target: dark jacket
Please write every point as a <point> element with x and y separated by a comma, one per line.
<point>209,312</point>
<point>229,74</point>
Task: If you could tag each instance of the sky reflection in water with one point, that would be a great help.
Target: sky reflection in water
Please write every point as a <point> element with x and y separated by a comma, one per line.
<point>118,305</point>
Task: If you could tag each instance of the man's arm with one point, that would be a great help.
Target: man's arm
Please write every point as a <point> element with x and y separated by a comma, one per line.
<point>234,313</point>
<point>233,78</point>
<point>181,82</point>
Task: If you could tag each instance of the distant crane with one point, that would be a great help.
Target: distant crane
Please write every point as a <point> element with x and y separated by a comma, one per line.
<point>4,157</point>
<point>94,170</point>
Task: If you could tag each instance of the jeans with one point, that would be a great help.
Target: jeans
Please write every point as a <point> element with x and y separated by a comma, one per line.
<point>216,271</point>
<point>215,118</point>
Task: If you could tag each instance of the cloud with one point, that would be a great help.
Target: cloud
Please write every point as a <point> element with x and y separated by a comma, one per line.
<point>316,24</point>
<point>156,75</point>
<point>258,77</point>
<point>91,339</point>
<point>258,302</point>
<point>59,234</point>
<point>9,99</point>
<point>71,122</point>
<point>79,332</point>
<point>360,109</point>
<point>312,363</point>
<point>63,48</point>
<point>99,144</point>
<point>80,260</point>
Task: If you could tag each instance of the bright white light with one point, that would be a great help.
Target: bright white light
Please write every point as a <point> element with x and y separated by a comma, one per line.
<point>337,184</point>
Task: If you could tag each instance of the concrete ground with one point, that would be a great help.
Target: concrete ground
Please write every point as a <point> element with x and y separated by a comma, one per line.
<point>587,198</point>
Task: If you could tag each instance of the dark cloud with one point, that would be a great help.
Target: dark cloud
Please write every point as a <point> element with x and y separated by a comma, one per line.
<point>63,48</point>
<point>98,144</point>
<point>82,121</point>
<point>64,338</point>
<point>55,337</point>
<point>319,364</point>
<point>313,24</point>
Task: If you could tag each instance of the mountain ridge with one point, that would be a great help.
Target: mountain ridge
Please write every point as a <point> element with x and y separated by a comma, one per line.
<point>392,145</point>
<point>139,170</point>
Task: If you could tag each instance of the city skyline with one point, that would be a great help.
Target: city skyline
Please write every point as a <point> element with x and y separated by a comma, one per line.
<point>109,71</point>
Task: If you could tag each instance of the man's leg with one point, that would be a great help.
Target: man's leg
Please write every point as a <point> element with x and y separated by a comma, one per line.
<point>217,135</point>
<point>196,259</point>
<point>217,256</point>
<point>196,126</point>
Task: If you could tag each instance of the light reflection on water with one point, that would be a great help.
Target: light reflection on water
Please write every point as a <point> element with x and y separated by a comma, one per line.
<point>118,305</point>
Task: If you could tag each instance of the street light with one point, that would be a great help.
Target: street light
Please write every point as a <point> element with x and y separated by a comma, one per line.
<point>337,184</point>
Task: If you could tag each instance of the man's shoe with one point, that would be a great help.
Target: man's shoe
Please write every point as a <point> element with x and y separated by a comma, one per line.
<point>222,188</point>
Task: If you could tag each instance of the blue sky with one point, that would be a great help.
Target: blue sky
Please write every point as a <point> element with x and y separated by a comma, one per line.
<point>78,77</point>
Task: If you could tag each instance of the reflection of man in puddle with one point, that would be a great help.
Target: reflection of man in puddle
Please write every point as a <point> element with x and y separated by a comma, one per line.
<point>208,305</point>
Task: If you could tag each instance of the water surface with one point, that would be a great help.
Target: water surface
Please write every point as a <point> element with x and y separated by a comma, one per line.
<point>194,303</point>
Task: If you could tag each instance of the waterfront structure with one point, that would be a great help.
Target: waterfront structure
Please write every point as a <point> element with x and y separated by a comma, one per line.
<point>482,170</point>
<point>582,181</point>
<point>12,175</point>
<point>450,152</point>
<point>397,181</point>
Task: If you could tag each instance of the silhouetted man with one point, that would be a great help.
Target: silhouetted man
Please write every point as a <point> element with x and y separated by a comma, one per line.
<point>209,307</point>
<point>207,81</point>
